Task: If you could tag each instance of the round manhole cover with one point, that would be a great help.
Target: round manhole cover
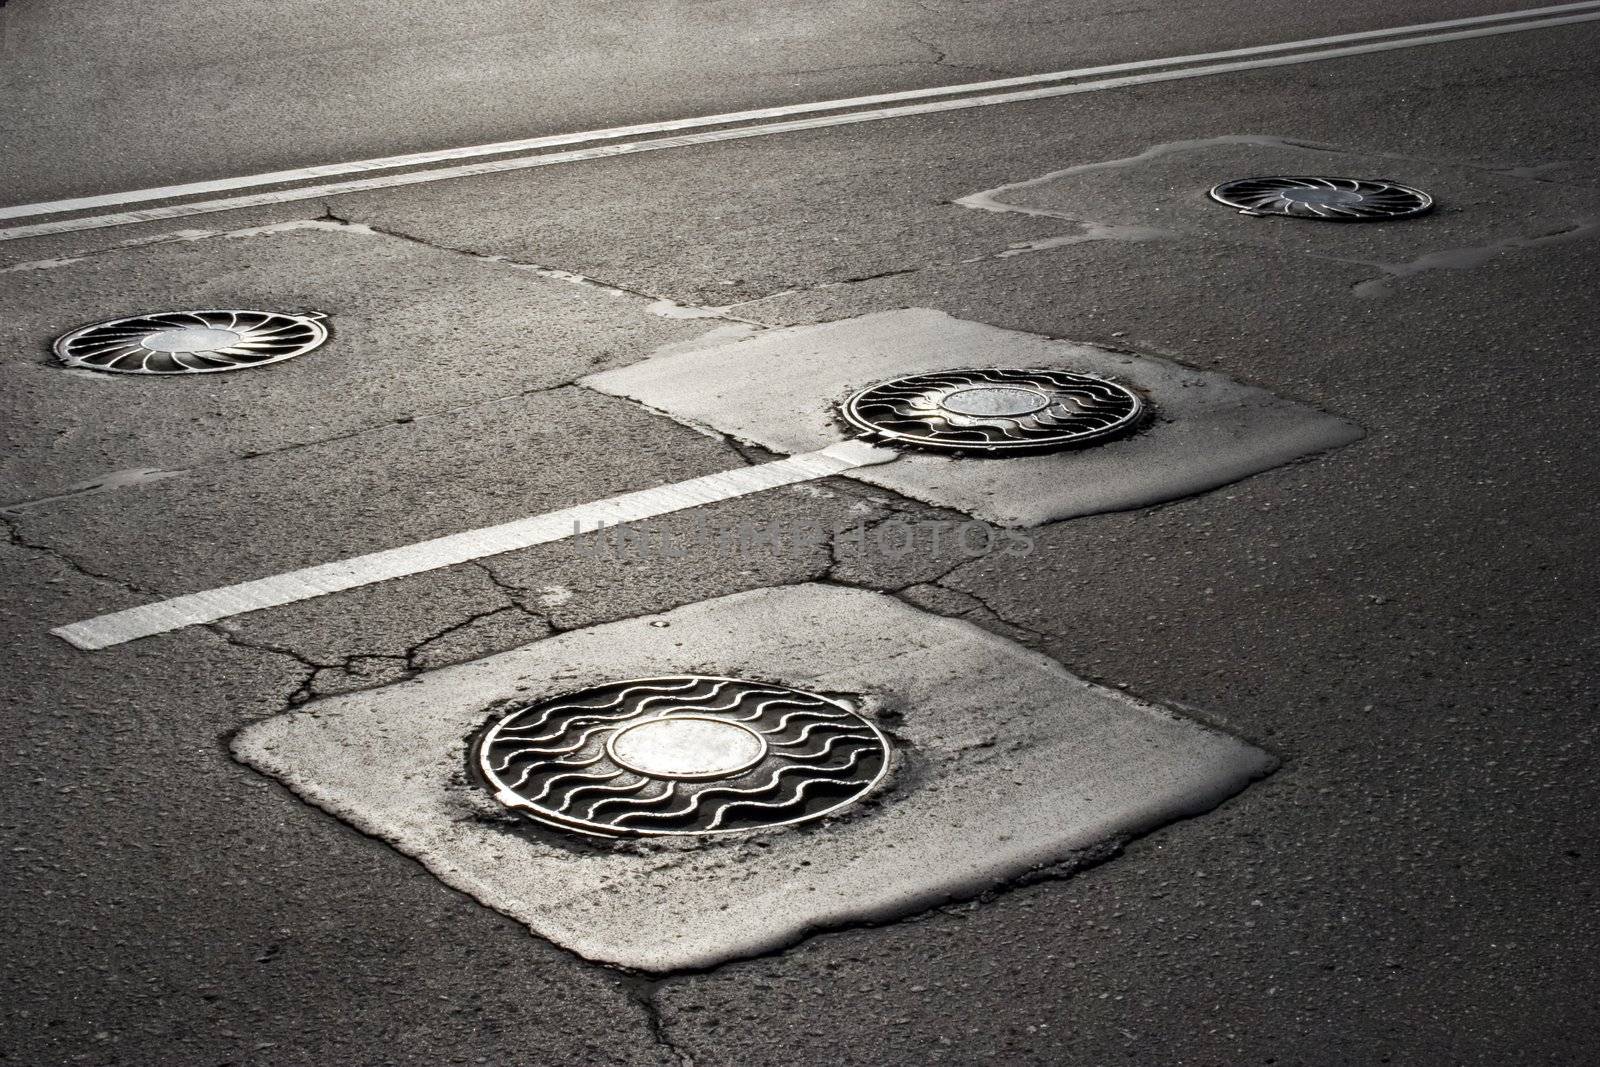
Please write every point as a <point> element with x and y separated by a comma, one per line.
<point>994,409</point>
<point>191,342</point>
<point>1329,199</point>
<point>681,755</point>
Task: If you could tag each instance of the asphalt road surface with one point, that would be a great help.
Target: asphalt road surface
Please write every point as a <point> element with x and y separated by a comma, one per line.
<point>1404,624</point>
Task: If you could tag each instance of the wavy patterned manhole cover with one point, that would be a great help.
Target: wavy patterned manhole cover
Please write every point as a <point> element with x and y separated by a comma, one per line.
<point>993,409</point>
<point>682,755</point>
<point>1328,199</point>
<point>191,342</point>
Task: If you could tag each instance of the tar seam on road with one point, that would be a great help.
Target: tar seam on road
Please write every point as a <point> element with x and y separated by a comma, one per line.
<point>1483,26</point>
<point>213,604</point>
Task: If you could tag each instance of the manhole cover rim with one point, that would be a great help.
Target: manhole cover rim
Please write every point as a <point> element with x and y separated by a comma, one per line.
<point>484,735</point>
<point>1137,409</point>
<point>315,322</point>
<point>1422,201</point>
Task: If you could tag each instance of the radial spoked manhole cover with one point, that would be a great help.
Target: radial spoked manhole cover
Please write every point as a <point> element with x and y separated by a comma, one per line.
<point>191,342</point>
<point>1328,199</point>
<point>988,410</point>
<point>689,754</point>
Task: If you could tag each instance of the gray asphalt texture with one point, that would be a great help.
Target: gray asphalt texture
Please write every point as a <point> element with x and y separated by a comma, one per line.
<point>1407,623</point>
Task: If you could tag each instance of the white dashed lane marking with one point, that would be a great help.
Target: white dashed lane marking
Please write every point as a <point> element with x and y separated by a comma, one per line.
<point>304,584</point>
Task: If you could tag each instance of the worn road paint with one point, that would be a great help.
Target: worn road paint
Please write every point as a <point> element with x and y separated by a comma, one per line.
<point>528,144</point>
<point>304,584</point>
<point>134,476</point>
<point>867,109</point>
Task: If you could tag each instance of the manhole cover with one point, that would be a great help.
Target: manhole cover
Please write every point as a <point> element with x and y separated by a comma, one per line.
<point>681,755</point>
<point>995,409</point>
<point>1332,199</point>
<point>191,342</point>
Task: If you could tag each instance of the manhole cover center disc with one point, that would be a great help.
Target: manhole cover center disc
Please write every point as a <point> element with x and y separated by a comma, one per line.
<point>687,754</point>
<point>686,746</point>
<point>993,409</point>
<point>994,400</point>
<point>193,340</point>
<point>1329,196</point>
<point>1320,197</point>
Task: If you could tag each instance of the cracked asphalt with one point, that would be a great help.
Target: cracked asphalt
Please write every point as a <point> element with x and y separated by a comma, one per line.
<point>1407,623</point>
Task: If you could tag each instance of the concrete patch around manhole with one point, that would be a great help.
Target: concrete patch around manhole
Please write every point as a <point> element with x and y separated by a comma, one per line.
<point>1164,188</point>
<point>1005,763</point>
<point>779,389</point>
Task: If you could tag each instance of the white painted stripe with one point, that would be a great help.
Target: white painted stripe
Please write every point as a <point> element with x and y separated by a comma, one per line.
<point>313,192</point>
<point>414,159</point>
<point>322,579</point>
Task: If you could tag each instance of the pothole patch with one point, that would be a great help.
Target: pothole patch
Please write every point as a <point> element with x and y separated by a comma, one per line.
<point>1163,191</point>
<point>681,755</point>
<point>191,342</point>
<point>1323,198</point>
<point>993,410</point>
<point>996,444</point>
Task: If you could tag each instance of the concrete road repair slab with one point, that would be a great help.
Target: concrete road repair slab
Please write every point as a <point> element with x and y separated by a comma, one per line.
<point>779,389</point>
<point>1002,764</point>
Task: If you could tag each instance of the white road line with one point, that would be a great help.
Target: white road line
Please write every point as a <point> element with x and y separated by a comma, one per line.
<point>328,170</point>
<point>760,130</point>
<point>213,604</point>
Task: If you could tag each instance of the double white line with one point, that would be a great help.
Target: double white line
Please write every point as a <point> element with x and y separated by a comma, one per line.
<point>284,186</point>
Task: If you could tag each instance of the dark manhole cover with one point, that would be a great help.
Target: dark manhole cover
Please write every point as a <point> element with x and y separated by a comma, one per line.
<point>1329,199</point>
<point>191,342</point>
<point>993,409</point>
<point>681,755</point>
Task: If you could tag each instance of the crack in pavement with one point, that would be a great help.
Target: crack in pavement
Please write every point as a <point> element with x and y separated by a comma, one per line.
<point>658,304</point>
<point>111,482</point>
<point>979,611</point>
<point>1469,257</point>
<point>171,237</point>
<point>1088,231</point>
<point>939,57</point>
<point>301,693</point>
<point>313,667</point>
<point>413,653</point>
<point>105,483</point>
<point>116,480</point>
<point>17,538</point>
<point>512,592</point>
<point>324,677</point>
<point>643,991</point>
<point>982,607</point>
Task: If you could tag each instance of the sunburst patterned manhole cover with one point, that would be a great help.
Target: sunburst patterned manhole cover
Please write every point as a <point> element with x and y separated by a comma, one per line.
<point>1328,199</point>
<point>681,755</point>
<point>191,342</point>
<point>993,409</point>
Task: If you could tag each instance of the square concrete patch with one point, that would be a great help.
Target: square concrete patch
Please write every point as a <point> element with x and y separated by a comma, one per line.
<point>779,388</point>
<point>1004,763</point>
